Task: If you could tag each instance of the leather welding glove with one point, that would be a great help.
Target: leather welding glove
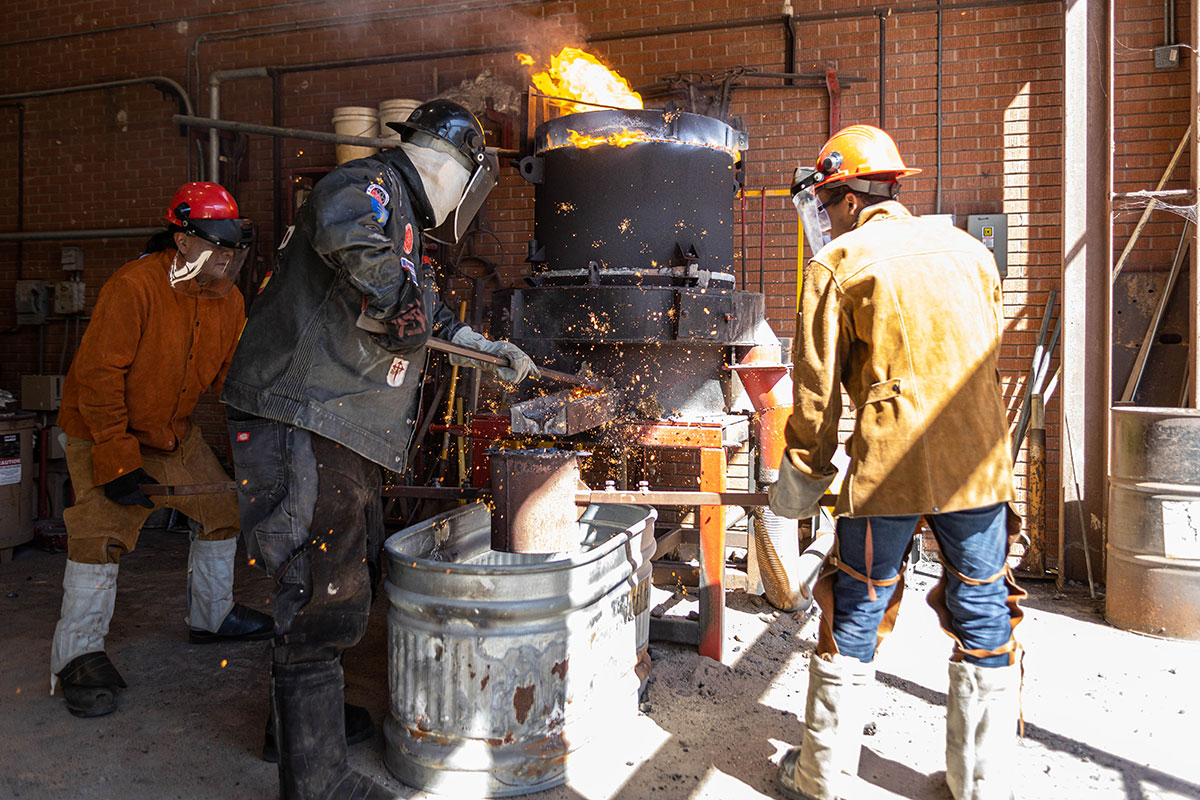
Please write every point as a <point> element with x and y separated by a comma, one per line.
<point>795,494</point>
<point>127,489</point>
<point>520,365</point>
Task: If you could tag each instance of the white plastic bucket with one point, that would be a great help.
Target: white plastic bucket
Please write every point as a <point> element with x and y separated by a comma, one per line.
<point>394,111</point>
<point>355,121</point>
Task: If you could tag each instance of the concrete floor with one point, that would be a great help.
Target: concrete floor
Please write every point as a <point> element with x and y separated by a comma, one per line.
<point>1108,714</point>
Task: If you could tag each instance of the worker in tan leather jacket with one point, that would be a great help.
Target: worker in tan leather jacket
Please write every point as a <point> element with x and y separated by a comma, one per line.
<point>904,315</point>
<point>162,333</point>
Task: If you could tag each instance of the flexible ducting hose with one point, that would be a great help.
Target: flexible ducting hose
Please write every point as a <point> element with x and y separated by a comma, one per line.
<point>777,544</point>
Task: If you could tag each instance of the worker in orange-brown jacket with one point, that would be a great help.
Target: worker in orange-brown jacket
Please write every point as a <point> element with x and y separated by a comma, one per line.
<point>162,333</point>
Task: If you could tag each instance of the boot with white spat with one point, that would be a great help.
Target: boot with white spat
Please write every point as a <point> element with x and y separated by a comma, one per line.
<point>212,614</point>
<point>77,658</point>
<point>825,765</point>
<point>982,708</point>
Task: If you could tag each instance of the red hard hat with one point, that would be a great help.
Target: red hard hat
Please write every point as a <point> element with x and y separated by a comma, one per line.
<point>209,211</point>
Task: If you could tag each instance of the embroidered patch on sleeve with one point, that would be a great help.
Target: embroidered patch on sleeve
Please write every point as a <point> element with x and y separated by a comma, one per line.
<point>408,238</point>
<point>410,268</point>
<point>243,436</point>
<point>379,201</point>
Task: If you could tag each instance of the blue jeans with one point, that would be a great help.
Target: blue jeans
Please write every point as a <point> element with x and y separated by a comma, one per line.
<point>973,541</point>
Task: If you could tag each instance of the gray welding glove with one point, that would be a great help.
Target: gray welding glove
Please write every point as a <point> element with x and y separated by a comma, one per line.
<point>795,494</point>
<point>520,366</point>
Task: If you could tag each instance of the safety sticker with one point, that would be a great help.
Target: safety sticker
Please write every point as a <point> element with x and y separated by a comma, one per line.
<point>410,268</point>
<point>10,459</point>
<point>408,238</point>
<point>243,436</point>
<point>379,200</point>
<point>266,279</point>
<point>396,372</point>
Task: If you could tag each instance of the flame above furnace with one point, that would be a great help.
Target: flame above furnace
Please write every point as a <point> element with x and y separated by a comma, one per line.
<point>574,75</point>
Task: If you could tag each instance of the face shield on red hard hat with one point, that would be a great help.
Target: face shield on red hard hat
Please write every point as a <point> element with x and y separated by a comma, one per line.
<point>204,269</point>
<point>217,241</point>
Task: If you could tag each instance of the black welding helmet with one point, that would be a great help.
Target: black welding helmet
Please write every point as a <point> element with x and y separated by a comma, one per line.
<point>450,128</point>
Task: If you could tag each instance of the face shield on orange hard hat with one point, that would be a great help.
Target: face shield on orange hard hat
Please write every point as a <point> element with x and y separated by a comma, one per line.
<point>862,158</point>
<point>217,243</point>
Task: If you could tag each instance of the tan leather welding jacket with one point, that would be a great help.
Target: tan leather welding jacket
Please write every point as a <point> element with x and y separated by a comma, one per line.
<point>906,314</point>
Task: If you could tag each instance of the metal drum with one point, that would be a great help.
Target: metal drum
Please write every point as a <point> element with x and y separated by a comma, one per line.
<point>501,665</point>
<point>1153,568</point>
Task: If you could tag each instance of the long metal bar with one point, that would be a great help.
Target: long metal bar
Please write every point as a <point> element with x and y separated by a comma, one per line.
<point>667,498</point>
<point>93,233</point>
<point>1164,296</point>
<point>298,133</point>
<point>1141,223</point>
<point>443,346</point>
<point>1023,415</point>
<point>1193,370</point>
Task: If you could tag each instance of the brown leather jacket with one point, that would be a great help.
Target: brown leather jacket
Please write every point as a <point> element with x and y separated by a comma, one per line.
<point>905,314</point>
<point>147,355</point>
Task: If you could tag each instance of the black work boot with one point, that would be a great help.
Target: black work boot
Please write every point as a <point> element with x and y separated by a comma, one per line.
<point>310,734</point>
<point>90,683</point>
<point>359,728</point>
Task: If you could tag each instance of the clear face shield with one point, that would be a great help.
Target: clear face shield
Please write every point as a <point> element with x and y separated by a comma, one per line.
<point>813,218</point>
<point>204,269</point>
<point>480,184</point>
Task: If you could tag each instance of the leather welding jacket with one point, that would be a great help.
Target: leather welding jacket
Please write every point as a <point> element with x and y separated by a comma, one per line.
<point>906,314</point>
<point>147,355</point>
<point>355,247</point>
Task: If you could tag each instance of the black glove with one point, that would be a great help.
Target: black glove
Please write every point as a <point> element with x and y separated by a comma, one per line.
<point>127,489</point>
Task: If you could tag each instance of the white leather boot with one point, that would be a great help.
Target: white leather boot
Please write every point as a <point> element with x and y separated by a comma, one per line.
<point>981,730</point>
<point>89,596</point>
<point>210,583</point>
<point>825,766</point>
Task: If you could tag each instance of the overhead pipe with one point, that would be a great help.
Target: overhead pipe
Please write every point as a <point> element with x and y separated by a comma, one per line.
<point>214,111</point>
<point>161,81</point>
<point>94,233</point>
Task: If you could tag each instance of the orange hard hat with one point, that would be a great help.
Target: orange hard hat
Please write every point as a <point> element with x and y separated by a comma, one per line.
<point>857,153</point>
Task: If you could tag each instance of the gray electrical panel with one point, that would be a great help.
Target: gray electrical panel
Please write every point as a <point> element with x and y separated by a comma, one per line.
<point>992,230</point>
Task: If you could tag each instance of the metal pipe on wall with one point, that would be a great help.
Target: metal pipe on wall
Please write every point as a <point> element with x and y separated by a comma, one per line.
<point>214,111</point>
<point>882,67</point>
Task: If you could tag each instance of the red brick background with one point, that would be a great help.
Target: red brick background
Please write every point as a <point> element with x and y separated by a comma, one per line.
<point>110,158</point>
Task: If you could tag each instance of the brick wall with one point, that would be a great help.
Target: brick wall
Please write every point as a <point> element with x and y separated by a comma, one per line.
<point>111,158</point>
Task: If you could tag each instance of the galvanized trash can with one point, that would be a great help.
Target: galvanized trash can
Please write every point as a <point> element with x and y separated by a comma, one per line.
<point>1153,553</point>
<point>501,665</point>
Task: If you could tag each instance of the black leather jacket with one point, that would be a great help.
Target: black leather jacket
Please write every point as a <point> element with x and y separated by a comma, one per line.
<point>355,248</point>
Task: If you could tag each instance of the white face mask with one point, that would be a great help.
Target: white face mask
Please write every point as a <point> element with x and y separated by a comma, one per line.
<point>442,176</point>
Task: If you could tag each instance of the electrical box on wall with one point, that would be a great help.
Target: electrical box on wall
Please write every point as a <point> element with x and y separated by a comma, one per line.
<point>992,230</point>
<point>33,302</point>
<point>69,297</point>
<point>41,392</point>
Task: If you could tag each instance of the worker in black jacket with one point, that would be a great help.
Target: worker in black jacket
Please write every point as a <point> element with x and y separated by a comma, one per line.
<point>324,389</point>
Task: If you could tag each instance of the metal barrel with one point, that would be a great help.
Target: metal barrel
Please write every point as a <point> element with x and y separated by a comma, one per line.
<point>501,665</point>
<point>1153,554</point>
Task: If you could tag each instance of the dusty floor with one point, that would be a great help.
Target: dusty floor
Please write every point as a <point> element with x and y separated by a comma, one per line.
<point>1108,714</point>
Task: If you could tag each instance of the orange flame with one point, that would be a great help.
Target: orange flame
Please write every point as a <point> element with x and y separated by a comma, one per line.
<point>576,75</point>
